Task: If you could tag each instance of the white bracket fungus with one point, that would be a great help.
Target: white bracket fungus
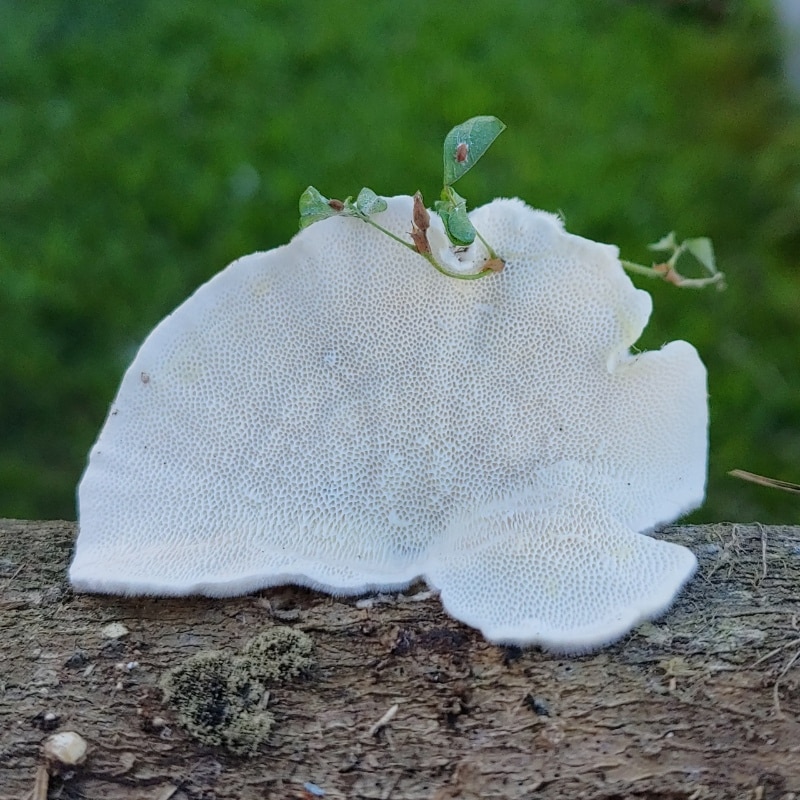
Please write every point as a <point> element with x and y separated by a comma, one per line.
<point>337,414</point>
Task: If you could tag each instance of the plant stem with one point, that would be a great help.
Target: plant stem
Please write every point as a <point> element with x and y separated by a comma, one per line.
<point>461,276</point>
<point>640,269</point>
<point>676,278</point>
<point>469,276</point>
<point>388,233</point>
<point>486,244</point>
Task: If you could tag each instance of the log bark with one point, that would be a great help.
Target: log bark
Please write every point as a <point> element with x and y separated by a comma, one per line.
<point>703,703</point>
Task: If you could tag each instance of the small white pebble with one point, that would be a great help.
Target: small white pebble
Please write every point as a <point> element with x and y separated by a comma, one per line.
<point>114,630</point>
<point>67,749</point>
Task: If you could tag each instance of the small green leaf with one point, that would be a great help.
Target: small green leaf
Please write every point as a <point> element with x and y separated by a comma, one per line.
<point>314,207</point>
<point>460,230</point>
<point>369,203</point>
<point>466,143</point>
<point>702,249</point>
<point>665,243</point>
<point>452,209</point>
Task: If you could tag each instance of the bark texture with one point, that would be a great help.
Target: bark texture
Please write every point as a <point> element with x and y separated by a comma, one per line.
<point>703,703</point>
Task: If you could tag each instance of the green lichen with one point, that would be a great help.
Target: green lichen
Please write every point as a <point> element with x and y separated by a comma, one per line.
<point>280,654</point>
<point>221,699</point>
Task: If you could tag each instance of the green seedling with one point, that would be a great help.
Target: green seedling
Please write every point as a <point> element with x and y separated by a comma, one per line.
<point>701,249</point>
<point>464,145</point>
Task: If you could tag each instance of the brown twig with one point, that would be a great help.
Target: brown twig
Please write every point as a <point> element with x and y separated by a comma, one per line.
<point>772,483</point>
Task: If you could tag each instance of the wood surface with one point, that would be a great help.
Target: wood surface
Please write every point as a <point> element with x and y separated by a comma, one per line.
<point>703,703</point>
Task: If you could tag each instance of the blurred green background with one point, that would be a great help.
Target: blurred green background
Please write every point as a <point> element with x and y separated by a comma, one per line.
<point>144,145</point>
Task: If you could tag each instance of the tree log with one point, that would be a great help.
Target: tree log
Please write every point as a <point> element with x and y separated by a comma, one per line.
<point>703,703</point>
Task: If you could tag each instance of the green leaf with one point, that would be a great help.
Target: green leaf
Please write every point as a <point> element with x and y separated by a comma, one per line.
<point>459,228</point>
<point>466,143</point>
<point>665,243</point>
<point>702,249</point>
<point>452,209</point>
<point>369,203</point>
<point>314,207</point>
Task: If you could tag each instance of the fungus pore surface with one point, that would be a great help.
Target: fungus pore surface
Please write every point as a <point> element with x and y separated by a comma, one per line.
<point>338,414</point>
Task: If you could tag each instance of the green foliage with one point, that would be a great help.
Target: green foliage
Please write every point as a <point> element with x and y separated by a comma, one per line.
<point>314,207</point>
<point>452,208</point>
<point>466,143</point>
<point>221,700</point>
<point>369,203</point>
<point>144,146</point>
<point>702,250</point>
<point>463,146</point>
